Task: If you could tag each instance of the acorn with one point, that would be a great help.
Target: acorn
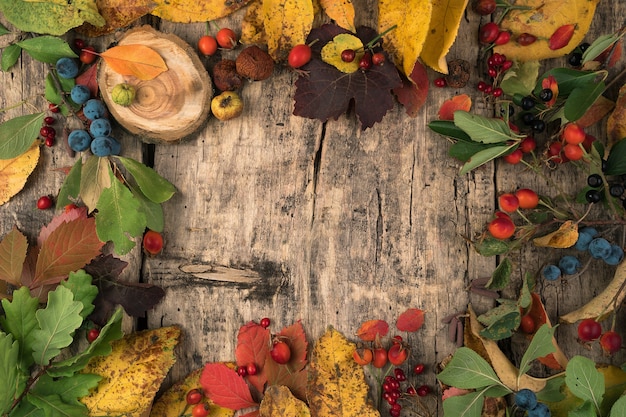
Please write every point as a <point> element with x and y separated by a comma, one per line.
<point>254,63</point>
<point>225,76</point>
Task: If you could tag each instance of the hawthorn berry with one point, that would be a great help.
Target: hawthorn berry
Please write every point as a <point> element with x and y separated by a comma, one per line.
<point>488,32</point>
<point>484,7</point>
<point>54,108</point>
<point>528,199</point>
<point>226,38</point>
<point>440,82</point>
<point>265,322</point>
<point>153,242</point>
<point>87,55</point>
<point>380,358</point>
<point>611,342</point>
<point>589,329</point>
<point>363,356</point>
<point>573,133</point>
<point>504,36</point>
<point>400,375</point>
<point>378,58</point>
<point>508,202</point>
<point>49,141</point>
<point>411,390</point>
<point>423,391</point>
<point>527,324</point>
<point>280,352</point>
<point>497,92</point>
<point>299,55</point>
<point>44,202</point>
<point>251,369</point>
<point>418,369</point>
<point>514,157</point>
<point>348,55</point>
<point>49,120</point>
<point>207,45</point>
<point>93,334</point>
<point>501,228</point>
<point>573,152</point>
<point>365,62</point>
<point>397,354</point>
<point>525,39</point>
<point>200,410</point>
<point>194,396</point>
<point>242,371</point>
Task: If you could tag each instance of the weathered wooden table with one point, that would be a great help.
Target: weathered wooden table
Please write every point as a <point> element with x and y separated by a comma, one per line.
<point>295,219</point>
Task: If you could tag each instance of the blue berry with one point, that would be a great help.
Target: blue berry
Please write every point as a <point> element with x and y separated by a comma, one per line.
<point>569,264</point>
<point>551,272</point>
<point>541,410</point>
<point>80,94</point>
<point>100,127</point>
<point>600,248</point>
<point>617,255</point>
<point>67,68</point>
<point>94,109</point>
<point>589,231</point>
<point>526,399</point>
<point>79,140</point>
<point>582,244</point>
<point>105,146</point>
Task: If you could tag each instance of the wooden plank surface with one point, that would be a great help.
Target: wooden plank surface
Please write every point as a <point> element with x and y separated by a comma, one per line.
<point>293,219</point>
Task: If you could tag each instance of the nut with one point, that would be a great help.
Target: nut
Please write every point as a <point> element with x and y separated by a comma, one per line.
<point>225,75</point>
<point>255,64</point>
<point>458,73</point>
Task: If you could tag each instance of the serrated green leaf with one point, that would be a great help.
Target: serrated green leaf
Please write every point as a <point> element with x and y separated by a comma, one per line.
<point>540,346</point>
<point>153,211</point>
<point>584,380</point>
<point>70,190</point>
<point>48,49</point>
<point>616,162</point>
<point>501,277</point>
<point>52,405</point>
<point>10,55</point>
<point>57,324</point>
<point>619,407</point>
<point>79,283</point>
<point>468,370</point>
<point>110,332</point>
<point>25,409</point>
<point>151,184</point>
<point>20,320</point>
<point>521,78</point>
<point>484,156</point>
<point>9,372</point>
<point>69,389</point>
<point>581,99</point>
<point>503,327</point>
<point>18,134</point>
<point>119,218</point>
<point>482,129</point>
<point>94,178</point>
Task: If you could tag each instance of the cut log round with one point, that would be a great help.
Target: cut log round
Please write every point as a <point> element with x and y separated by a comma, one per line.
<point>169,107</point>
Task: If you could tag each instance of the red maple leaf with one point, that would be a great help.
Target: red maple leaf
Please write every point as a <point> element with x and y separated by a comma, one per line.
<point>225,388</point>
<point>411,320</point>
<point>252,347</point>
<point>325,92</point>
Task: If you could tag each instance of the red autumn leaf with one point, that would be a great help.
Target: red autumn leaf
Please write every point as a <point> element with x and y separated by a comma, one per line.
<point>69,247</point>
<point>327,93</point>
<point>414,91</point>
<point>411,320</point>
<point>89,79</point>
<point>139,60</point>
<point>292,374</point>
<point>13,248</point>
<point>225,388</point>
<point>252,347</point>
<point>369,329</point>
<point>561,37</point>
<point>75,213</point>
<point>296,339</point>
<point>460,102</point>
<point>254,413</point>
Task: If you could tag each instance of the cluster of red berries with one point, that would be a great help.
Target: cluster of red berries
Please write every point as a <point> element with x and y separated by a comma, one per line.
<point>47,132</point>
<point>497,65</point>
<point>367,60</point>
<point>194,399</point>
<point>590,330</point>
<point>392,389</point>
<point>225,38</point>
<point>86,53</point>
<point>572,145</point>
<point>378,357</point>
<point>503,227</point>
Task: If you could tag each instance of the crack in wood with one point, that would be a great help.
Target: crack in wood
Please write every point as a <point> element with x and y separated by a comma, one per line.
<point>221,273</point>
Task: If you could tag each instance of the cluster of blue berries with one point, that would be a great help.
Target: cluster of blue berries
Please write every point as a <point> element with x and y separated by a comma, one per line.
<point>588,240</point>
<point>527,401</point>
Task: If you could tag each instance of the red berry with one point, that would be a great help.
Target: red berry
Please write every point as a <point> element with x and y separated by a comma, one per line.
<point>365,62</point>
<point>92,335</point>
<point>481,86</point>
<point>49,120</point>
<point>528,199</point>
<point>378,58</point>
<point>44,202</point>
<point>589,330</point>
<point>506,65</point>
<point>589,139</point>
<point>423,391</point>
<point>526,39</point>
<point>394,413</point>
<point>501,228</point>
<point>200,410</point>
<point>251,369</point>
<point>488,89</point>
<point>555,154</point>
<point>508,202</point>
<point>363,356</point>
<point>79,43</point>
<point>488,32</point>
<point>573,134</point>
<point>44,131</point>
<point>54,108</point>
<point>49,141</point>
<point>573,152</point>
<point>514,157</point>
<point>52,133</point>
<point>348,55</point>
<point>440,82</point>
<point>299,56</point>
<point>153,242</point>
<point>226,38</point>
<point>242,371</point>
<point>194,396</point>
<point>497,92</point>
<point>503,38</point>
<point>280,353</point>
<point>418,369</point>
<point>397,354</point>
<point>611,342</point>
<point>265,322</point>
<point>380,358</point>
<point>400,375</point>
<point>397,339</point>
<point>87,55</point>
<point>492,72</point>
<point>527,324</point>
<point>484,7</point>
<point>207,45</point>
<point>411,390</point>
<point>528,144</point>
<point>498,59</point>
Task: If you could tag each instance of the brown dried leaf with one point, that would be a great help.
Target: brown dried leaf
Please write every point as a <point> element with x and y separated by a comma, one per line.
<point>565,237</point>
<point>14,173</point>
<point>186,11</point>
<point>371,329</point>
<point>13,249</point>
<point>616,123</point>
<point>600,108</point>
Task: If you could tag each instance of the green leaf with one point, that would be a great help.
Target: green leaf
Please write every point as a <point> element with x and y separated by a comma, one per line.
<point>18,134</point>
<point>9,372</point>
<point>449,129</point>
<point>69,389</point>
<point>95,177</point>
<point>482,129</point>
<point>553,391</point>
<point>584,380</point>
<point>79,283</point>
<point>111,331</point>
<point>525,298</point>
<point>485,156</point>
<point>503,327</point>
<point>53,95</point>
<point>568,79</point>
<point>490,246</point>
<point>119,218</point>
<point>20,320</point>
<point>616,162</point>
<point>70,190</point>
<point>467,405</point>
<point>468,370</point>
<point>581,99</point>
<point>494,314</point>
<point>48,49</point>
<point>540,346</point>
<point>53,406</point>
<point>10,55</point>
<point>501,276</point>
<point>521,78</point>
<point>584,410</point>
<point>57,323</point>
<point>153,211</point>
<point>151,184</point>
<point>3,30</point>
<point>599,45</point>
<point>619,407</point>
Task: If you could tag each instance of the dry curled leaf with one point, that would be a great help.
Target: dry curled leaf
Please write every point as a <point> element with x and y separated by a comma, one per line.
<point>117,14</point>
<point>565,237</point>
<point>138,60</point>
<point>460,102</point>
<point>14,173</point>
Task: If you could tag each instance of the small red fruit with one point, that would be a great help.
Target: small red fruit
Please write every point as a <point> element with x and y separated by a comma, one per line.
<point>49,120</point>
<point>348,55</point>
<point>365,62</point>
<point>508,202</point>
<point>488,32</point>
<point>49,141</point>
<point>153,242</point>
<point>589,330</point>
<point>526,39</point>
<point>397,354</point>
<point>418,369</point>
<point>299,55</point>
<point>423,391</point>
<point>527,324</point>
<point>528,144</point>
<point>484,7</point>
<point>79,43</point>
<point>503,38</point>
<point>380,358</point>
<point>411,390</point>
<point>251,369</point>
<point>44,202</point>
<point>528,199</point>
<point>611,342</point>
<point>88,55</point>
<point>43,132</point>
<point>501,228</point>
<point>200,410</point>
<point>378,58</point>
<point>573,133</point>
<point>400,375</point>
<point>561,37</point>
<point>226,38</point>
<point>280,353</point>
<point>194,396</point>
<point>555,153</point>
<point>92,335</point>
<point>207,45</point>
<point>242,371</point>
<point>573,152</point>
<point>265,322</point>
<point>363,356</point>
<point>440,82</point>
<point>514,157</point>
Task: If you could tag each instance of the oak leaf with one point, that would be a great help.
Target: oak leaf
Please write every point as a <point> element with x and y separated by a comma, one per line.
<point>337,385</point>
<point>410,320</point>
<point>542,19</point>
<point>278,401</point>
<point>444,26</point>
<point>253,342</point>
<point>341,11</point>
<point>187,11</point>
<point>132,373</point>
<point>372,329</point>
<point>565,237</point>
<point>286,23</point>
<point>14,172</point>
<point>138,60</point>
<point>225,387</point>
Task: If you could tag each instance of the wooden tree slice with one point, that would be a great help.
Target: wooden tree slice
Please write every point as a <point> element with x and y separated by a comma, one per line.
<point>169,107</point>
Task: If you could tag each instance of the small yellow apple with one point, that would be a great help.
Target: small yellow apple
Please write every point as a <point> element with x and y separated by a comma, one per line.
<point>227,105</point>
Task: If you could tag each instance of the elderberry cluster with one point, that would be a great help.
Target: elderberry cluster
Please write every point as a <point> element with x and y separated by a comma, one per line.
<point>615,189</point>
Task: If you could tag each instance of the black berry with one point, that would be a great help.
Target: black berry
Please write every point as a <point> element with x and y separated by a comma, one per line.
<point>528,118</point>
<point>593,196</point>
<point>594,180</point>
<point>583,46</point>
<point>527,103</point>
<point>616,190</point>
<point>538,125</point>
<point>546,94</point>
<point>575,59</point>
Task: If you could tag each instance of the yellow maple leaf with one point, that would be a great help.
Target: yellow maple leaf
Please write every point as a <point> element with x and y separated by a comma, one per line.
<point>336,385</point>
<point>14,172</point>
<point>278,401</point>
<point>132,373</point>
<point>565,237</point>
<point>542,19</point>
<point>341,11</point>
<point>404,44</point>
<point>186,11</point>
<point>444,26</point>
<point>287,24</point>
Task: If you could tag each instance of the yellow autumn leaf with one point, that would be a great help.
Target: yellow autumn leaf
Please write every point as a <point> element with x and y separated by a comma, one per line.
<point>173,403</point>
<point>252,26</point>
<point>331,52</point>
<point>565,237</point>
<point>132,373</point>
<point>444,26</point>
<point>341,11</point>
<point>278,401</point>
<point>336,385</point>
<point>138,60</point>
<point>186,11</point>
<point>603,304</point>
<point>287,24</point>
<point>404,44</point>
<point>616,122</point>
<point>14,172</point>
<point>542,19</point>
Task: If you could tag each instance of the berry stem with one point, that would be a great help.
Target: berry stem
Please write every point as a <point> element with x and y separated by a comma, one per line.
<point>373,42</point>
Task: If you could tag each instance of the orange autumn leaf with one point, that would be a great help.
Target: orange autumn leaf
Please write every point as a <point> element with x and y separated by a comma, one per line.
<point>460,102</point>
<point>371,328</point>
<point>139,60</point>
<point>598,110</point>
<point>14,173</point>
<point>411,320</point>
<point>342,12</point>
